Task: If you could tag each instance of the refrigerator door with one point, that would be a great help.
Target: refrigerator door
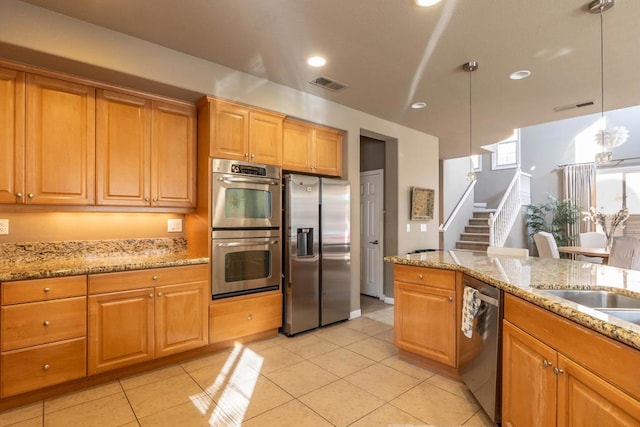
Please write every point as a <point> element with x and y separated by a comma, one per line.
<point>335,286</point>
<point>302,254</point>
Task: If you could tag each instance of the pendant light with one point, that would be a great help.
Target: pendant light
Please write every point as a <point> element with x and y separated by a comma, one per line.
<point>618,135</point>
<point>470,67</point>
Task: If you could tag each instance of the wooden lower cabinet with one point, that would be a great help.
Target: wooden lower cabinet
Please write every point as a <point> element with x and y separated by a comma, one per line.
<point>133,326</point>
<point>542,386</point>
<point>425,313</point>
<point>239,317</point>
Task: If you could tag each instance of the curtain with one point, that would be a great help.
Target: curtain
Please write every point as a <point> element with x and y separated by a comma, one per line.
<point>579,185</point>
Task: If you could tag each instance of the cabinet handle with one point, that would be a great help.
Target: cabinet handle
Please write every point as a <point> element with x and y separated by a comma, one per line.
<point>46,323</point>
<point>154,277</point>
<point>159,294</point>
<point>420,276</point>
<point>19,195</point>
<point>250,317</point>
<point>46,367</point>
<point>30,195</point>
<point>150,295</point>
<point>558,371</point>
<point>46,290</point>
<point>450,299</point>
<point>546,363</point>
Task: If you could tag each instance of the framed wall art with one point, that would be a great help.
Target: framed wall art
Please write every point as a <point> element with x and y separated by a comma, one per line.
<point>422,200</point>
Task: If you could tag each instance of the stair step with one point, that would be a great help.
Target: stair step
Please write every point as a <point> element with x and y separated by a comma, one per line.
<point>475,237</point>
<point>483,229</point>
<point>473,246</point>
<point>484,213</point>
<point>479,221</point>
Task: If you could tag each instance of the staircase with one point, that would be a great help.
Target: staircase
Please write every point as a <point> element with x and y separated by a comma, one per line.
<point>476,234</point>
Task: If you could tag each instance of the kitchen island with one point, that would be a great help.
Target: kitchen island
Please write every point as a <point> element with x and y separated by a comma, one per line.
<point>562,363</point>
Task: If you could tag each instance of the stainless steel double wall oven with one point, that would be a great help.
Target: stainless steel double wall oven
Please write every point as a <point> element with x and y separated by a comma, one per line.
<point>246,247</point>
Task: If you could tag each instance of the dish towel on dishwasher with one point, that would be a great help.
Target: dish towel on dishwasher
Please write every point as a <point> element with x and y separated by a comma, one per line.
<point>470,306</point>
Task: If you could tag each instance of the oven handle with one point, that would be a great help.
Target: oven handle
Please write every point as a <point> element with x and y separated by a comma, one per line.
<point>247,243</point>
<point>247,180</point>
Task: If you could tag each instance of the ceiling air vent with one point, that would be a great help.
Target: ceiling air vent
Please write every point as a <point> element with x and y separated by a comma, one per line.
<point>572,106</point>
<point>328,84</point>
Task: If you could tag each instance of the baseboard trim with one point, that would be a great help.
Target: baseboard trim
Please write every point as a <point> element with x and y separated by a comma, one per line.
<point>355,314</point>
<point>388,300</point>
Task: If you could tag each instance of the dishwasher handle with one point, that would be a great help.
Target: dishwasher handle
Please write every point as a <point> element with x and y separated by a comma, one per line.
<point>488,299</point>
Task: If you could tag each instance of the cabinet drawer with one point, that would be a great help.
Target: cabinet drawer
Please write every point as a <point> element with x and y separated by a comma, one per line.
<point>42,366</point>
<point>43,289</point>
<point>244,316</point>
<point>445,279</point>
<point>25,325</point>
<point>128,280</point>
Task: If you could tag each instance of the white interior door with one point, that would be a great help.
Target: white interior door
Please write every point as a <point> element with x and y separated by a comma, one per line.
<point>371,232</point>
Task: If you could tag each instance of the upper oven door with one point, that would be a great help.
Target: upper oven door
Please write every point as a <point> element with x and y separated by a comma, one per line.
<point>245,202</point>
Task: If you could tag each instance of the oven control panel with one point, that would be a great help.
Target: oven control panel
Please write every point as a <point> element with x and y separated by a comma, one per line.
<point>248,169</point>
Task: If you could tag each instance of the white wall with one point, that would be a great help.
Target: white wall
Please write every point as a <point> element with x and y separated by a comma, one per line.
<point>29,32</point>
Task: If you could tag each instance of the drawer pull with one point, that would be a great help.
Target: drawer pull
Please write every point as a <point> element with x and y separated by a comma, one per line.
<point>420,276</point>
<point>46,323</point>
<point>47,290</point>
<point>546,363</point>
<point>250,317</point>
<point>46,367</point>
<point>154,277</point>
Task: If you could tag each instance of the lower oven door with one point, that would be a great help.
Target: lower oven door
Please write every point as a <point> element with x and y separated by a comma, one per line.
<point>245,261</point>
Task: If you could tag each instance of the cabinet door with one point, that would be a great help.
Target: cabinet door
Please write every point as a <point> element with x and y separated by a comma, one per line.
<point>297,141</point>
<point>11,136</point>
<point>425,322</point>
<point>60,142</point>
<point>586,399</point>
<point>120,329</point>
<point>181,317</point>
<point>123,143</point>
<point>528,381</point>
<point>173,165</point>
<point>265,138</point>
<point>328,152</point>
<point>231,131</point>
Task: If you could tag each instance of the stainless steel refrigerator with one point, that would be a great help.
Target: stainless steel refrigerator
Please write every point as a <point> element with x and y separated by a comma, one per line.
<point>317,261</point>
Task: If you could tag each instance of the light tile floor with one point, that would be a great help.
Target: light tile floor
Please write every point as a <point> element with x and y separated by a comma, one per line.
<point>347,374</point>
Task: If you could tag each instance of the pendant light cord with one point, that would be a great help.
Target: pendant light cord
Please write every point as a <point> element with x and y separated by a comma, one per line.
<point>470,124</point>
<point>603,125</point>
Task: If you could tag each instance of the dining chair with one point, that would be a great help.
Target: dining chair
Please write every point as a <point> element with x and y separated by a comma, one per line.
<point>592,239</point>
<point>501,250</point>
<point>546,244</point>
<point>625,253</point>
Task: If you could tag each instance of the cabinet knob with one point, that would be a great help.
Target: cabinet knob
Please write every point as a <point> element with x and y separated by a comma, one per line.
<point>146,199</point>
<point>46,367</point>
<point>155,200</point>
<point>558,371</point>
<point>30,195</point>
<point>150,295</point>
<point>46,290</point>
<point>19,195</point>
<point>420,276</point>
<point>250,317</point>
<point>546,363</point>
<point>246,155</point>
<point>154,277</point>
<point>253,156</point>
<point>159,294</point>
<point>450,299</point>
<point>46,323</point>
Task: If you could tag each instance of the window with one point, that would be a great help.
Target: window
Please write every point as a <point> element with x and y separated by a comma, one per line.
<point>617,188</point>
<point>476,162</point>
<point>506,153</point>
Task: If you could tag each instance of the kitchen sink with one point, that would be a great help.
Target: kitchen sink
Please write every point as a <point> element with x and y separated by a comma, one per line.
<point>597,299</point>
<point>632,316</point>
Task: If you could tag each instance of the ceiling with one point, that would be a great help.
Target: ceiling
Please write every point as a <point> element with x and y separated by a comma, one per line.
<point>391,53</point>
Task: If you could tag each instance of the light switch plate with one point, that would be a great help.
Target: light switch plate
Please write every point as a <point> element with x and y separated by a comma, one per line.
<point>423,227</point>
<point>4,226</point>
<point>408,228</point>
<point>174,225</point>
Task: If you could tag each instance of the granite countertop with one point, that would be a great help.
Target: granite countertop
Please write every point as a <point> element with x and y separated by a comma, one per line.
<point>528,278</point>
<point>54,259</point>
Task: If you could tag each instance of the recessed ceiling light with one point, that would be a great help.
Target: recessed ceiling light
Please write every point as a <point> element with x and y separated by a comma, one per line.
<point>426,3</point>
<point>316,61</point>
<point>418,105</point>
<point>519,75</point>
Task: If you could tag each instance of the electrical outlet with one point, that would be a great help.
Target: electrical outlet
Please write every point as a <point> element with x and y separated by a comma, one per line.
<point>4,226</point>
<point>174,225</point>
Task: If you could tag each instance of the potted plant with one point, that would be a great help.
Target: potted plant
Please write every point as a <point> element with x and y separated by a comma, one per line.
<point>553,216</point>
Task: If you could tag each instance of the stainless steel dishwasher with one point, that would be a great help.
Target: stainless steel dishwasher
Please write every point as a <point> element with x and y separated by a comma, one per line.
<point>480,356</point>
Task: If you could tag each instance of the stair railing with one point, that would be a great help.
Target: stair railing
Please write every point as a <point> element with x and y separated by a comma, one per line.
<point>457,220</point>
<point>501,221</point>
<point>454,213</point>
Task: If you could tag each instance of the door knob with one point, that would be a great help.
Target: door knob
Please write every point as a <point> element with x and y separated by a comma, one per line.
<point>375,242</point>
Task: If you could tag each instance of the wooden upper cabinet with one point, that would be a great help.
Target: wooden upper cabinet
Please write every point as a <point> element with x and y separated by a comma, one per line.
<point>11,136</point>
<point>60,142</point>
<point>238,132</point>
<point>173,155</point>
<point>123,149</point>
<point>145,151</point>
<point>311,148</point>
